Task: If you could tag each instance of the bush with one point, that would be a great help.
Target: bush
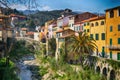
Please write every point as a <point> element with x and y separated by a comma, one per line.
<point>7,72</point>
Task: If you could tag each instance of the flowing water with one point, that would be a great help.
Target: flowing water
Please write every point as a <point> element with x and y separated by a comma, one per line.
<point>25,73</point>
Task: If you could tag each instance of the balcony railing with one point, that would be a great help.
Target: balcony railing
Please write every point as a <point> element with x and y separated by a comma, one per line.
<point>114,47</point>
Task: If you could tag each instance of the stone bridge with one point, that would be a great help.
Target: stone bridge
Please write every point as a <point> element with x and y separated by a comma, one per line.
<point>108,68</point>
<point>31,41</point>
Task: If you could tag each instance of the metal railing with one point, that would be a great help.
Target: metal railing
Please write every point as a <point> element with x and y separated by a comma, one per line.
<point>114,47</point>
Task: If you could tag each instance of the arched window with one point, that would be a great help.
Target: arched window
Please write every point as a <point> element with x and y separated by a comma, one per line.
<point>92,25</point>
<point>102,22</point>
<point>84,24</point>
<point>96,24</point>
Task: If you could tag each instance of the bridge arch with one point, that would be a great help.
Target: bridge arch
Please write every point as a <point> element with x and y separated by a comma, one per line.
<point>112,75</point>
<point>30,41</point>
<point>98,69</point>
<point>104,71</point>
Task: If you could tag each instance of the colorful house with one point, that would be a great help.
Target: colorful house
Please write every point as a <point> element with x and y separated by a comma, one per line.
<point>97,31</point>
<point>47,24</point>
<point>71,22</point>
<point>23,32</point>
<point>113,32</point>
<point>42,36</point>
<point>78,24</point>
<point>86,26</point>
<point>60,39</point>
<point>30,34</point>
<point>36,36</point>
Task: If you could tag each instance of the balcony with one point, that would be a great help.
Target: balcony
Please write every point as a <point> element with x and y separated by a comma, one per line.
<point>114,47</point>
<point>65,33</point>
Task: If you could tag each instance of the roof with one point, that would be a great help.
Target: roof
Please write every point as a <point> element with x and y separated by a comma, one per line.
<point>112,8</point>
<point>64,30</point>
<point>14,15</point>
<point>3,16</point>
<point>24,29</point>
<point>94,18</point>
<point>84,16</point>
<point>69,33</point>
<point>30,33</point>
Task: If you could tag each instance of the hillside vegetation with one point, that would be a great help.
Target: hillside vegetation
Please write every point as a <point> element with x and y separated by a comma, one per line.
<point>42,16</point>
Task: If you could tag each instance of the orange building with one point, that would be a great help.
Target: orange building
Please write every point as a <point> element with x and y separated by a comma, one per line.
<point>113,32</point>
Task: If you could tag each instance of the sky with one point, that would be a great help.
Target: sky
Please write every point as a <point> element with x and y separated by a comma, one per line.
<point>75,5</point>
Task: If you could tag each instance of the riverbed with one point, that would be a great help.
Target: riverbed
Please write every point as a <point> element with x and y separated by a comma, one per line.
<point>24,65</point>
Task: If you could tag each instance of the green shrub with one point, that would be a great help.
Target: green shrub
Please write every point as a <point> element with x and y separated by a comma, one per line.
<point>7,72</point>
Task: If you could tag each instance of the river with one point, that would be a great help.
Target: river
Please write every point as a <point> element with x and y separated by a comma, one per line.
<point>24,72</point>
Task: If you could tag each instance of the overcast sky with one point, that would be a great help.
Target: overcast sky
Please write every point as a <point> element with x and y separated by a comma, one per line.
<point>75,5</point>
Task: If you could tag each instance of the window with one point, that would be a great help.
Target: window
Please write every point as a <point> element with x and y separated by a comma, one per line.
<point>84,24</point>
<point>91,35</point>
<point>97,36</point>
<point>119,27</point>
<point>60,26</point>
<point>103,36</point>
<point>111,13</point>
<point>110,41</point>
<point>110,28</point>
<point>88,24</point>
<point>96,24</point>
<point>118,40</point>
<point>57,35</point>
<point>118,12</point>
<point>87,30</point>
<point>102,22</point>
<point>111,54</point>
<point>72,25</point>
<point>78,28</point>
<point>92,25</point>
<point>118,56</point>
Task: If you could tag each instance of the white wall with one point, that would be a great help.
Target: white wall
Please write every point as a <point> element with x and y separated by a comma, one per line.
<point>36,36</point>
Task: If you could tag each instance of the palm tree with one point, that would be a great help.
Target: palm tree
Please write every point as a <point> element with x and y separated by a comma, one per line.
<point>82,44</point>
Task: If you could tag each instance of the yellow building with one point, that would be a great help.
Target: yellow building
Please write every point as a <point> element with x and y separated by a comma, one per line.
<point>71,22</point>
<point>86,26</point>
<point>47,25</point>
<point>113,32</point>
<point>97,31</point>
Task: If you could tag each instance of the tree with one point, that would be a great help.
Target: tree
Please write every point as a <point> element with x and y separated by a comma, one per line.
<point>30,4</point>
<point>52,46</point>
<point>82,44</point>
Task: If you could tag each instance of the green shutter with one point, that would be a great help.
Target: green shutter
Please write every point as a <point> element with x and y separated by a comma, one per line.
<point>119,27</point>
<point>111,54</point>
<point>88,23</point>
<point>118,56</point>
<point>110,28</point>
<point>85,24</point>
<point>110,41</point>
<point>91,35</point>
<point>118,40</point>
<point>87,30</point>
<point>97,36</point>
<point>103,36</point>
